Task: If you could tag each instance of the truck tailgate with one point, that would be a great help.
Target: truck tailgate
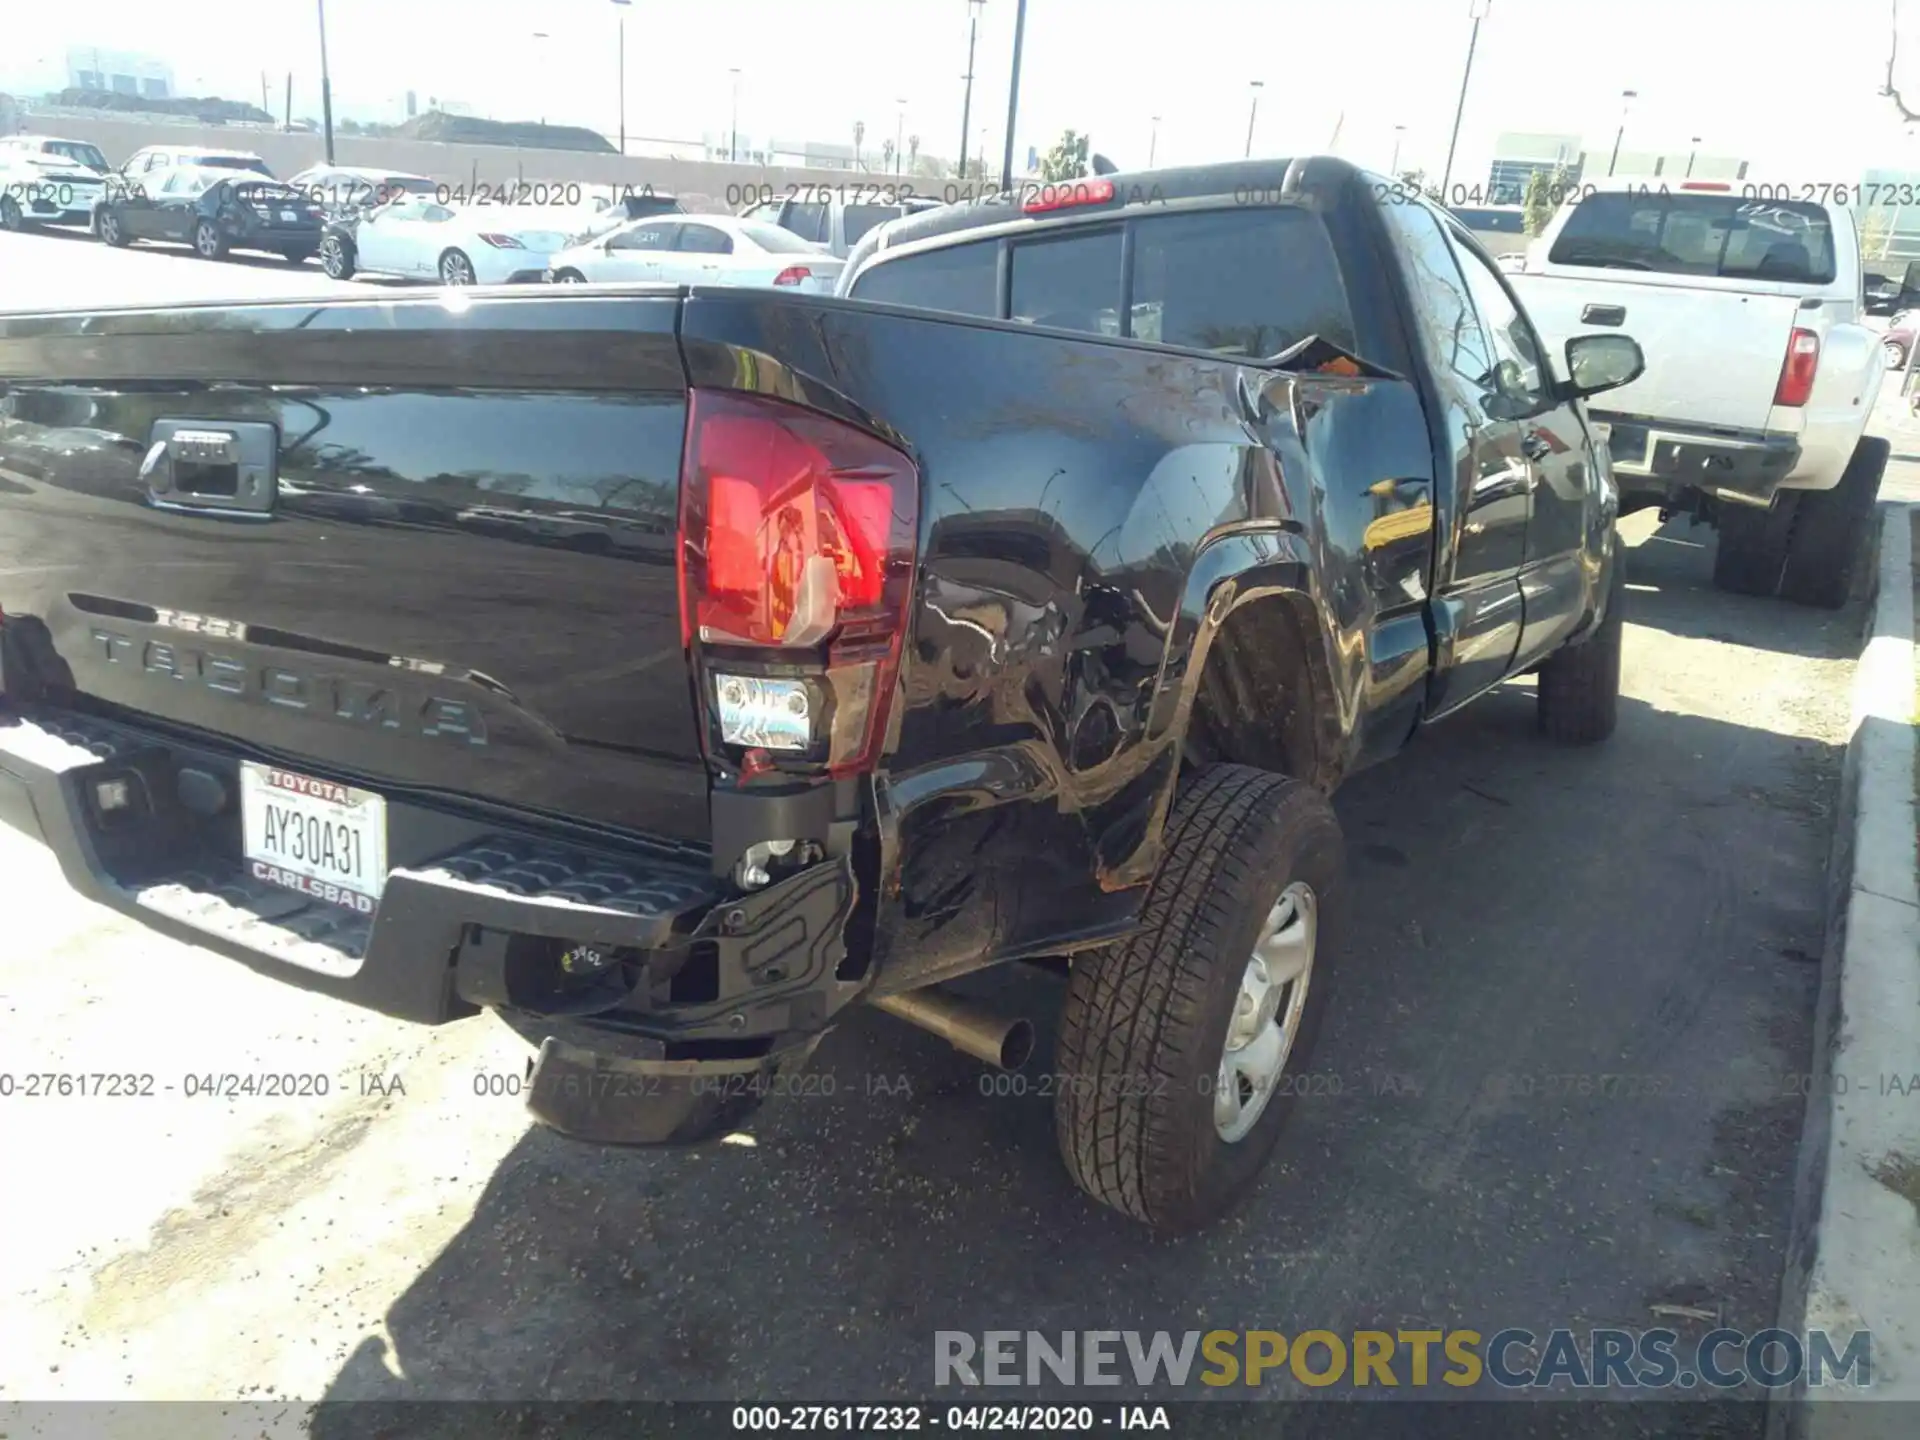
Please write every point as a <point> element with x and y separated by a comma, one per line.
<point>1713,355</point>
<point>464,583</point>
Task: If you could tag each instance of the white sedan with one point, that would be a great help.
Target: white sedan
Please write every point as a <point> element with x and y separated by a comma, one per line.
<point>699,250</point>
<point>418,238</point>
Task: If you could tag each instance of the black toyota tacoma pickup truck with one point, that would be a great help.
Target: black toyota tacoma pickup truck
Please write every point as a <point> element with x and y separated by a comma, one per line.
<point>670,670</point>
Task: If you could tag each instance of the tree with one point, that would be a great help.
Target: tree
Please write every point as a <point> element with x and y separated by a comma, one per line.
<point>1415,180</point>
<point>1067,160</point>
<point>913,153</point>
<point>1893,54</point>
<point>1545,190</point>
<point>886,156</point>
<point>1876,231</point>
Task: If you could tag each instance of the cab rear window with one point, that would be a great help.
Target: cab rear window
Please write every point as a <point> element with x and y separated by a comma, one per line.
<point>1249,282</point>
<point>1715,235</point>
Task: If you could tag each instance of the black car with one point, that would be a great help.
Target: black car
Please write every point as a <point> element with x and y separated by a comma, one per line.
<point>213,210</point>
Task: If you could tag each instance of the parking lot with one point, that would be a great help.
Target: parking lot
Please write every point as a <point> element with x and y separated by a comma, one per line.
<point>1561,1084</point>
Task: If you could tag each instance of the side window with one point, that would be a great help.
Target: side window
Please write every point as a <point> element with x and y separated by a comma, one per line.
<point>1520,375</point>
<point>159,160</point>
<point>645,237</point>
<point>962,279</point>
<point>435,214</point>
<point>807,220</point>
<point>705,240</point>
<point>767,210</point>
<point>1072,283</point>
<point>1449,330</point>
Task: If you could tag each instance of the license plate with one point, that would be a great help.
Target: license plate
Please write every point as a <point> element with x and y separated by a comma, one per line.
<point>288,217</point>
<point>326,841</point>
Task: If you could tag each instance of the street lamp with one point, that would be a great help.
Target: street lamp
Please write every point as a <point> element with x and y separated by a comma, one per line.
<point>1153,141</point>
<point>1690,154</point>
<point>1013,92</point>
<point>623,4</point>
<point>1477,9</point>
<point>1399,133</point>
<point>1253,111</point>
<point>966,105</point>
<point>733,135</point>
<point>326,84</point>
<point>542,35</point>
<point>1626,104</point>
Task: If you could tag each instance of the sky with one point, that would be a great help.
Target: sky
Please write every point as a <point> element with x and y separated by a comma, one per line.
<point>1788,85</point>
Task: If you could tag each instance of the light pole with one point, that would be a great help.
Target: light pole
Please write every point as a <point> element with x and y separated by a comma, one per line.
<point>733,135</point>
<point>1252,111</point>
<point>1153,141</point>
<point>899,132</point>
<point>326,84</point>
<point>1626,104</point>
<point>1690,156</point>
<point>1478,10</point>
<point>623,72</point>
<point>542,35</point>
<point>966,105</point>
<point>1399,133</point>
<point>1013,93</point>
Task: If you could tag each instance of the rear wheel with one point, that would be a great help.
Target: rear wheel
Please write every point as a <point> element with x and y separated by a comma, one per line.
<point>1895,353</point>
<point>569,277</point>
<point>208,243</point>
<point>1830,531</point>
<point>1180,1048</point>
<point>11,216</point>
<point>456,268</point>
<point>1752,548</point>
<point>110,230</point>
<point>336,258</point>
<point>1579,686</point>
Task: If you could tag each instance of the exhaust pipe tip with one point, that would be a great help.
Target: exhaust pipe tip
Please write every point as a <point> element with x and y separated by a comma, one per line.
<point>973,1029</point>
<point>1016,1046</point>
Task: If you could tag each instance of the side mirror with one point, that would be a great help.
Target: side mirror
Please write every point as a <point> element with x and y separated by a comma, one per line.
<point>1603,362</point>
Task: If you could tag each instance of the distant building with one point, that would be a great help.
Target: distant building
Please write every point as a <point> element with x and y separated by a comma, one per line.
<point>1518,157</point>
<point>93,67</point>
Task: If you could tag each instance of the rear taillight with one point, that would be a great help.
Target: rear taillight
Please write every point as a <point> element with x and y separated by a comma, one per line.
<point>502,242</point>
<point>797,539</point>
<point>793,275</point>
<point>1064,194</point>
<point>1796,372</point>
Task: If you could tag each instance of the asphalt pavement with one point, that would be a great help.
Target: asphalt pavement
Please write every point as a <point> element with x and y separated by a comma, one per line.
<point>1526,920</point>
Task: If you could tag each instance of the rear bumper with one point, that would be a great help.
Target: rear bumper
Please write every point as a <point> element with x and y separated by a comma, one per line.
<point>1659,457</point>
<point>473,916</point>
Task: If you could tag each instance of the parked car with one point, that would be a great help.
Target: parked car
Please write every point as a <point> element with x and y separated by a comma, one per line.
<point>345,190</point>
<point>214,211</point>
<point>623,209</point>
<point>833,221</point>
<point>1761,373</point>
<point>967,638</point>
<point>71,152</point>
<point>700,250</point>
<point>40,187</point>
<point>417,237</point>
<point>1890,294</point>
<point>148,167</point>
<point>1896,341</point>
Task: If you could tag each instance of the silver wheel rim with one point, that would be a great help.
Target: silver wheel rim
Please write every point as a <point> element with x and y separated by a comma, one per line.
<point>1894,357</point>
<point>1266,1012</point>
<point>456,271</point>
<point>332,258</point>
<point>109,229</point>
<point>9,213</point>
<point>205,241</point>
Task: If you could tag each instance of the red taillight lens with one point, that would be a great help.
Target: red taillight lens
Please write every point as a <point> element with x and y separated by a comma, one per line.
<point>797,532</point>
<point>1715,185</point>
<point>1796,372</point>
<point>793,275</point>
<point>503,242</point>
<point>1062,194</point>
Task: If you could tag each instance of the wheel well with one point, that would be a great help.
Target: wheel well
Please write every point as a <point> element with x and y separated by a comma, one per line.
<point>1255,702</point>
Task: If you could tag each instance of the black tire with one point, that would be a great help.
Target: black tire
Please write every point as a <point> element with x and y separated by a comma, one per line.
<point>568,277</point>
<point>12,217</point>
<point>336,258</point>
<point>112,233</point>
<point>1579,686</point>
<point>1752,548</point>
<point>208,242</point>
<point>1146,1020</point>
<point>1830,531</point>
